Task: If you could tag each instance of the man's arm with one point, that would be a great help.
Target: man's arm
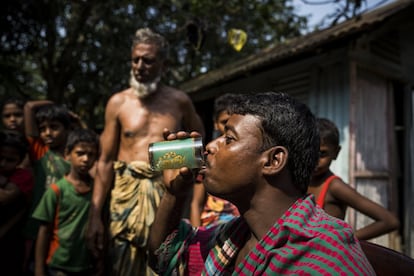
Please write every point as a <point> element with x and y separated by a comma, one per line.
<point>30,108</point>
<point>384,220</point>
<point>42,248</point>
<point>191,119</point>
<point>109,141</point>
<point>197,204</point>
<point>169,212</point>
<point>168,216</point>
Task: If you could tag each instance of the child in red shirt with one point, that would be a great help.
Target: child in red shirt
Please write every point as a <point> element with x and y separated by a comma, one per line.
<point>16,185</point>
<point>335,196</point>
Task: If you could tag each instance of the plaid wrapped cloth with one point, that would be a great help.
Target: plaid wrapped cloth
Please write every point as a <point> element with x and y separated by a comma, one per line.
<point>304,241</point>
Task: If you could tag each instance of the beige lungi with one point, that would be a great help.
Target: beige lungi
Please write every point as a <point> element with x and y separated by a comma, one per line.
<point>135,197</point>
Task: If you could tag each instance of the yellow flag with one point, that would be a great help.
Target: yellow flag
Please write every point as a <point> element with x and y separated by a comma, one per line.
<point>237,38</point>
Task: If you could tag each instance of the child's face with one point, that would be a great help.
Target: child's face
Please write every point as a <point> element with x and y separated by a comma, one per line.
<point>221,121</point>
<point>53,134</point>
<point>9,159</point>
<point>12,117</point>
<point>327,153</point>
<point>82,157</point>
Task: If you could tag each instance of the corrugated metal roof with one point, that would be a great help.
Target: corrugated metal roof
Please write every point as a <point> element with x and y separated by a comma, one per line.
<point>295,47</point>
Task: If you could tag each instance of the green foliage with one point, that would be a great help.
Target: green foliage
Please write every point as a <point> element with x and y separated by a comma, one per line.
<point>77,52</point>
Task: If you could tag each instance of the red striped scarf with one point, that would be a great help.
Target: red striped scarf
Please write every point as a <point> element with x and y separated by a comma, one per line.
<point>304,241</point>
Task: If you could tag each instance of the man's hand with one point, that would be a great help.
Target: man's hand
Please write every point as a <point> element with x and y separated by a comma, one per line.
<point>95,236</point>
<point>180,181</point>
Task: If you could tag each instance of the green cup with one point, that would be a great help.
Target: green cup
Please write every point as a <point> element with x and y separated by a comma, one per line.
<point>176,154</point>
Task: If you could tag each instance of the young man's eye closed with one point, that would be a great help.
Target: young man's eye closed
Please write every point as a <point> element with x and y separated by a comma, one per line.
<point>228,139</point>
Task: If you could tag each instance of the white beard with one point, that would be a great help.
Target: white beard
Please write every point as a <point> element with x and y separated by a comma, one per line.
<point>142,90</point>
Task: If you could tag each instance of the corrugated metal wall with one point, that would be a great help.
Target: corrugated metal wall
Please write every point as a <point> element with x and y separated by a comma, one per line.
<point>329,98</point>
<point>373,140</point>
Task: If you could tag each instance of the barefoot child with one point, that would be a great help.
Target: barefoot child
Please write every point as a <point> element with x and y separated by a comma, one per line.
<point>63,212</point>
<point>334,195</point>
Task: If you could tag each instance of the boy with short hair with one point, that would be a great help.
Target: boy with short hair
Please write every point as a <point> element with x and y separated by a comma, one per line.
<point>63,211</point>
<point>47,126</point>
<point>12,114</point>
<point>334,195</point>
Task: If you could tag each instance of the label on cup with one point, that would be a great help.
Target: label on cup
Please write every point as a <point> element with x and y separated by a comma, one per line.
<point>176,154</point>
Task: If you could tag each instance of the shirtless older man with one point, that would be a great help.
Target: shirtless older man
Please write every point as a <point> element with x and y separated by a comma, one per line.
<point>134,118</point>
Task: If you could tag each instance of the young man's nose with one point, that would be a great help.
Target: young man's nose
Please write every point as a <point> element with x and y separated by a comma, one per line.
<point>211,147</point>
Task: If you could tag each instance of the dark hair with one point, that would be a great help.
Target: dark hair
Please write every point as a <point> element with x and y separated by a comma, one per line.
<point>81,135</point>
<point>223,102</point>
<point>289,123</point>
<point>16,140</point>
<point>16,101</point>
<point>53,112</point>
<point>328,132</point>
<point>146,35</point>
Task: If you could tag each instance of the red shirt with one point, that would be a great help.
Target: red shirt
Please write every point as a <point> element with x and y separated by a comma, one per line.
<point>23,179</point>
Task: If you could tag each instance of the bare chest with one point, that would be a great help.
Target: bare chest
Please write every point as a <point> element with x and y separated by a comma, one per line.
<point>143,122</point>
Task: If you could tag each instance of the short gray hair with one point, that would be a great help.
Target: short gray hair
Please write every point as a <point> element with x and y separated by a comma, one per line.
<point>147,36</point>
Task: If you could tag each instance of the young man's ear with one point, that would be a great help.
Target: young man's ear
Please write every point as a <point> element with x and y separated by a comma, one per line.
<point>275,159</point>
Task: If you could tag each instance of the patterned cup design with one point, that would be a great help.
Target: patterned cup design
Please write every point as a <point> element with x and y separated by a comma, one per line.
<point>176,154</point>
